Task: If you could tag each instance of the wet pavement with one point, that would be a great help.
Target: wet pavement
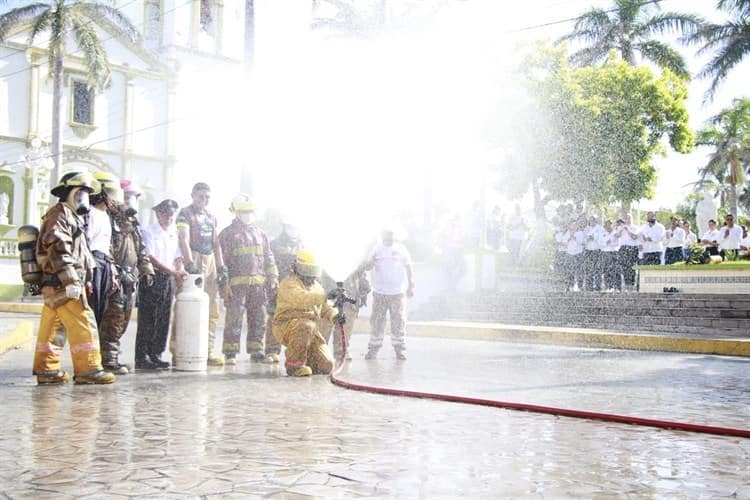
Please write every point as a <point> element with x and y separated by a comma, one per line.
<point>250,432</point>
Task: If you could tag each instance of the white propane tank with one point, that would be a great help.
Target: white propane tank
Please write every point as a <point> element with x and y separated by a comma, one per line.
<point>191,326</point>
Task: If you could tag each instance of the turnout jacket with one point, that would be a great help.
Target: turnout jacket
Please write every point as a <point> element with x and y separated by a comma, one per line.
<point>247,254</point>
<point>297,302</point>
<point>62,253</point>
<point>128,249</point>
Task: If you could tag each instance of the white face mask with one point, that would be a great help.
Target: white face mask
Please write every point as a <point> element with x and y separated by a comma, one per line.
<point>131,202</point>
<point>246,218</point>
<point>80,201</point>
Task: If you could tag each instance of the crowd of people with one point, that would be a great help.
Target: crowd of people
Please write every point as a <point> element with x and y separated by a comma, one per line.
<point>595,256</point>
<point>94,259</point>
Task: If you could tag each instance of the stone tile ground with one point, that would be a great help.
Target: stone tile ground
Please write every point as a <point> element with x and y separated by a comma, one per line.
<point>251,432</point>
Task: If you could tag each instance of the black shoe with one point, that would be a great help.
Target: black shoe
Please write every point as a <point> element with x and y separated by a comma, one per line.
<point>116,368</point>
<point>160,365</point>
<point>145,364</point>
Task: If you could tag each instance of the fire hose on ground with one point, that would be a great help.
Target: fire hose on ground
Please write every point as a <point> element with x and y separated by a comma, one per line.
<point>508,405</point>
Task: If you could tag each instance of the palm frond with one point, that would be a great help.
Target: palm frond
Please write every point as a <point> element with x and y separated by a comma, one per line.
<point>671,22</point>
<point>588,56</point>
<point>40,24</point>
<point>14,17</point>
<point>727,58</point>
<point>664,56</point>
<point>99,12</point>
<point>94,55</point>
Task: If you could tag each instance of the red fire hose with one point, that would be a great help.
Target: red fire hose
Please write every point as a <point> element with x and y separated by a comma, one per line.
<point>564,412</point>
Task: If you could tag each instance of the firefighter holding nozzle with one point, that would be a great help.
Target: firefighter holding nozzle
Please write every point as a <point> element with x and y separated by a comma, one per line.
<point>302,313</point>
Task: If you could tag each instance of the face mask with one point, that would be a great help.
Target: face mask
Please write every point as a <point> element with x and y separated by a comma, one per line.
<point>131,203</point>
<point>247,218</point>
<point>292,232</point>
<point>80,202</point>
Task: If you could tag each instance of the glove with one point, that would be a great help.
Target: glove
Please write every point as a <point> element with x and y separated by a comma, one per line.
<point>340,319</point>
<point>191,268</point>
<point>222,277</point>
<point>147,280</point>
<point>73,291</point>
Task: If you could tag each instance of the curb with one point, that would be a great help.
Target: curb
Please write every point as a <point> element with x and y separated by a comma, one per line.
<point>580,337</point>
<point>21,334</point>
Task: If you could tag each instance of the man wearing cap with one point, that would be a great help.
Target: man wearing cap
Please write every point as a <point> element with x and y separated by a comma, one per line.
<point>301,310</point>
<point>155,301</point>
<point>201,253</point>
<point>66,262</point>
<point>392,282</point>
<point>251,271</point>
<point>133,264</point>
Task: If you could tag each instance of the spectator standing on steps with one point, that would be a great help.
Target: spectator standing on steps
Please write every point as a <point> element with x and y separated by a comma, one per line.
<point>199,245</point>
<point>652,238</point>
<point>392,283</point>
<point>675,242</point>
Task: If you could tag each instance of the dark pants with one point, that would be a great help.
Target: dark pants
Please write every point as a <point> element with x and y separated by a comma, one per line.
<point>610,268</point>
<point>573,271</point>
<point>627,258</point>
<point>675,254</point>
<point>651,259</point>
<point>114,323</point>
<point>101,283</point>
<point>592,269</point>
<point>154,312</point>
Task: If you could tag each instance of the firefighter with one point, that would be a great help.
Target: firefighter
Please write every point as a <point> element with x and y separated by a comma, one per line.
<point>66,262</point>
<point>133,265</point>
<point>198,235</point>
<point>301,310</point>
<point>284,248</point>
<point>250,269</point>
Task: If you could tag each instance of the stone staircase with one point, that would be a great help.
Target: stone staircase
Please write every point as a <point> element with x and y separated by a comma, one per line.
<point>720,316</point>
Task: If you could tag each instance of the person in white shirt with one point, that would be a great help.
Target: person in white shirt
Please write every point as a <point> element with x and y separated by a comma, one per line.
<point>574,238</point>
<point>744,243</point>
<point>155,301</point>
<point>392,283</point>
<point>691,238</point>
<point>99,235</point>
<point>652,237</point>
<point>710,239</point>
<point>610,245</point>
<point>675,242</point>
<point>627,234</point>
<point>592,255</point>
<point>561,237</point>
<point>516,234</point>
<point>730,236</point>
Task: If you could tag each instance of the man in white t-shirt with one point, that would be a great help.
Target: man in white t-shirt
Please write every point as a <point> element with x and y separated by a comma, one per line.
<point>710,239</point>
<point>675,242</point>
<point>730,237</point>
<point>391,283</point>
<point>652,237</point>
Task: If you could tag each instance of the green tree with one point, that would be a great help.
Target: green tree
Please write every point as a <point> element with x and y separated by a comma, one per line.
<point>596,130</point>
<point>730,41</point>
<point>629,28</point>
<point>728,134</point>
<point>69,21</point>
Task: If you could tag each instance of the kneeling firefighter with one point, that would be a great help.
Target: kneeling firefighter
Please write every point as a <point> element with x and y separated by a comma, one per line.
<point>66,263</point>
<point>132,263</point>
<point>301,310</point>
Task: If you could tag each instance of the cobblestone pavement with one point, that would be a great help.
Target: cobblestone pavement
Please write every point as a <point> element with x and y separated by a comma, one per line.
<point>250,432</point>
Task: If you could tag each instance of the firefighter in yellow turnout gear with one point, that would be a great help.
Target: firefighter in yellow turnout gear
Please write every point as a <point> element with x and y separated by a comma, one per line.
<point>66,262</point>
<point>301,310</point>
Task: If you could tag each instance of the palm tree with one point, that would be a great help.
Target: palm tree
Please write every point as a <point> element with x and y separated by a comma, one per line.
<point>629,28</point>
<point>729,135</point>
<point>63,20</point>
<point>730,40</point>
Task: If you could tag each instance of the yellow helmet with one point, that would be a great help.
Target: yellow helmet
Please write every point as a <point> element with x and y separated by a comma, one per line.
<point>242,203</point>
<point>305,264</point>
<point>110,186</point>
<point>83,180</point>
